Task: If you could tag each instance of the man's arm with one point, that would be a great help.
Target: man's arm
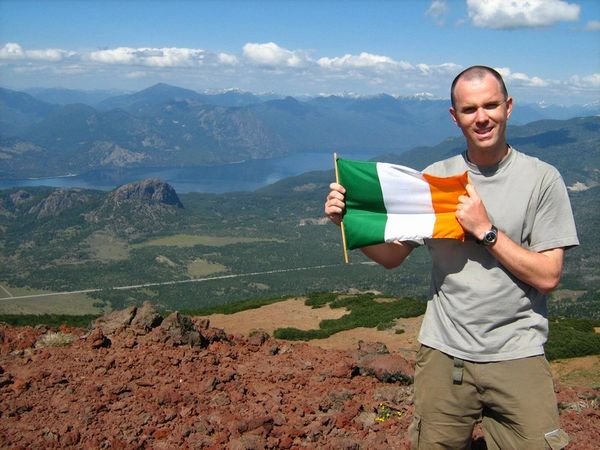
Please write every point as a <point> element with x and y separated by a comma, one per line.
<point>389,255</point>
<point>542,270</point>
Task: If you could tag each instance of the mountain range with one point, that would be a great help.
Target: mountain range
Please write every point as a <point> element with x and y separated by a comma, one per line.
<point>56,132</point>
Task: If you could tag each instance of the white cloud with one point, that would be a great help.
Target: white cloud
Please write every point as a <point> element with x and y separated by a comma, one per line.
<point>155,57</point>
<point>593,25</point>
<point>520,14</point>
<point>176,57</point>
<point>443,69</point>
<point>31,69</point>
<point>437,11</point>
<point>271,54</point>
<point>69,69</point>
<point>589,81</point>
<point>227,59</point>
<point>260,67</point>
<point>12,50</point>
<point>120,55</point>
<point>136,74</point>
<point>521,79</point>
<point>363,61</point>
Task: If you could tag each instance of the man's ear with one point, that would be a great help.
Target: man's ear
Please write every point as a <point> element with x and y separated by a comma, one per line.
<point>509,107</point>
<point>452,112</point>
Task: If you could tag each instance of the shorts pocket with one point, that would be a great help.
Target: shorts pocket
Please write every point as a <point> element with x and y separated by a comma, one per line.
<point>414,432</point>
<point>557,439</point>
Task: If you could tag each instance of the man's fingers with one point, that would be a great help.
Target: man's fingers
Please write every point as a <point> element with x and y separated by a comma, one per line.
<point>471,191</point>
<point>335,202</point>
<point>337,187</point>
<point>334,206</point>
<point>335,196</point>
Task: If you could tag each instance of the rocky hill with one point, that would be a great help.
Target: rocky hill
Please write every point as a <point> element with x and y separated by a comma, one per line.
<point>144,205</point>
<point>140,380</point>
<point>149,191</point>
<point>57,202</point>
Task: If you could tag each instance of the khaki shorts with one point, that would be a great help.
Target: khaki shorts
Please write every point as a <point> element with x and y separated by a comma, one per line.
<point>514,400</point>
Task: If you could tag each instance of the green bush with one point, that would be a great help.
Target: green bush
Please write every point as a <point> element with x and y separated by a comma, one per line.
<point>294,334</point>
<point>319,299</point>
<point>50,320</point>
<point>385,325</point>
<point>570,338</point>
<point>234,307</point>
<point>365,311</point>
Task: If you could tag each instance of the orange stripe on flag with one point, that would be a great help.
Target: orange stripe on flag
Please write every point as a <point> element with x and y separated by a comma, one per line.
<point>444,197</point>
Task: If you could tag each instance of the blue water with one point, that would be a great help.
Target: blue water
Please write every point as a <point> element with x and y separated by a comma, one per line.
<point>243,176</point>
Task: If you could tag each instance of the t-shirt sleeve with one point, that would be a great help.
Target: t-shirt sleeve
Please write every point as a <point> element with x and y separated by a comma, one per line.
<point>554,225</point>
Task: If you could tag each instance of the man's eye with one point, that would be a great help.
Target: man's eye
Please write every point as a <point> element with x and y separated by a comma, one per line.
<point>491,106</point>
<point>469,110</point>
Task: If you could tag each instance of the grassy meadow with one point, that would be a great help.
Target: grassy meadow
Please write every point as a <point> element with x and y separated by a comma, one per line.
<point>14,300</point>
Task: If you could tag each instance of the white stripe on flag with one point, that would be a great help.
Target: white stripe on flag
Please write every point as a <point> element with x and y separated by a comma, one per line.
<point>412,219</point>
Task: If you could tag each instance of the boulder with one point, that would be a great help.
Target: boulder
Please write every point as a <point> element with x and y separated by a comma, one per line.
<point>388,368</point>
<point>178,329</point>
<point>96,339</point>
<point>146,318</point>
<point>115,321</point>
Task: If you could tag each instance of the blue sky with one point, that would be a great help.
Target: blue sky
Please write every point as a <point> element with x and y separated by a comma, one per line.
<point>548,50</point>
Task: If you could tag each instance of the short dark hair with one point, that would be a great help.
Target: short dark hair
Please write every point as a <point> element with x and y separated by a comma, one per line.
<point>477,72</point>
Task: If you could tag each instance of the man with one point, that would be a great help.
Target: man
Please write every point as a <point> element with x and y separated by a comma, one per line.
<point>482,337</point>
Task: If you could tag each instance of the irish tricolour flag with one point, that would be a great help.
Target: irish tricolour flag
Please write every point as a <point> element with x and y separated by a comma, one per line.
<point>387,202</point>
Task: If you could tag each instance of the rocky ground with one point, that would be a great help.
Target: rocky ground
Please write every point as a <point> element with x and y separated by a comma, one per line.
<point>141,381</point>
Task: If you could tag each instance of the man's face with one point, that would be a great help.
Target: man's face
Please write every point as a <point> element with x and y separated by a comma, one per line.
<point>481,112</point>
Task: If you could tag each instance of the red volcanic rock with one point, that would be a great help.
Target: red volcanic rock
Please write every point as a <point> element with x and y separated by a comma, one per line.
<point>387,368</point>
<point>178,329</point>
<point>18,338</point>
<point>146,319</point>
<point>96,339</point>
<point>115,321</point>
<point>178,383</point>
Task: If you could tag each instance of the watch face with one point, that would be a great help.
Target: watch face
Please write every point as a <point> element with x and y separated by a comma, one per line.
<point>490,237</point>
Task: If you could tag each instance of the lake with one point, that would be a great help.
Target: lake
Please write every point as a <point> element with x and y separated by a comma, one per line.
<point>243,176</point>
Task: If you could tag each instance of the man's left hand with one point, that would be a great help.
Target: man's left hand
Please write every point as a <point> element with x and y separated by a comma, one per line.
<point>471,213</point>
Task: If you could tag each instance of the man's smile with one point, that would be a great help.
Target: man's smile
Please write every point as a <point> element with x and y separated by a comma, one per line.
<point>484,132</point>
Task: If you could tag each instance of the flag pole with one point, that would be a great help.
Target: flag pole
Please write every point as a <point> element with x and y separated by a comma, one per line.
<point>337,180</point>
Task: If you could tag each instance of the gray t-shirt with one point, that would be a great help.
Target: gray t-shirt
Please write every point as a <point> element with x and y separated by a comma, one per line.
<point>478,310</point>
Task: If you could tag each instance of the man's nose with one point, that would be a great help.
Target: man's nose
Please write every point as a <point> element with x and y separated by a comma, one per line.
<point>481,115</point>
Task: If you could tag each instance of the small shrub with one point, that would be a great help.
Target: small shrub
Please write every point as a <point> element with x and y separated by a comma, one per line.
<point>54,339</point>
<point>294,334</point>
<point>319,299</point>
<point>385,325</point>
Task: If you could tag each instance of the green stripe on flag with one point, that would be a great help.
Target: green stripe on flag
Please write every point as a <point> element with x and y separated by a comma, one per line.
<point>366,216</point>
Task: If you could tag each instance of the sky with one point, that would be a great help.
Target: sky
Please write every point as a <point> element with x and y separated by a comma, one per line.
<point>547,50</point>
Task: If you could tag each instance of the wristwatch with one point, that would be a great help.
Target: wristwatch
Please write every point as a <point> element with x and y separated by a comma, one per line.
<point>489,237</point>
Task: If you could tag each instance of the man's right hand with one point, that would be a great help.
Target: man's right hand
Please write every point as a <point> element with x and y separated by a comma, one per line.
<point>335,204</point>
